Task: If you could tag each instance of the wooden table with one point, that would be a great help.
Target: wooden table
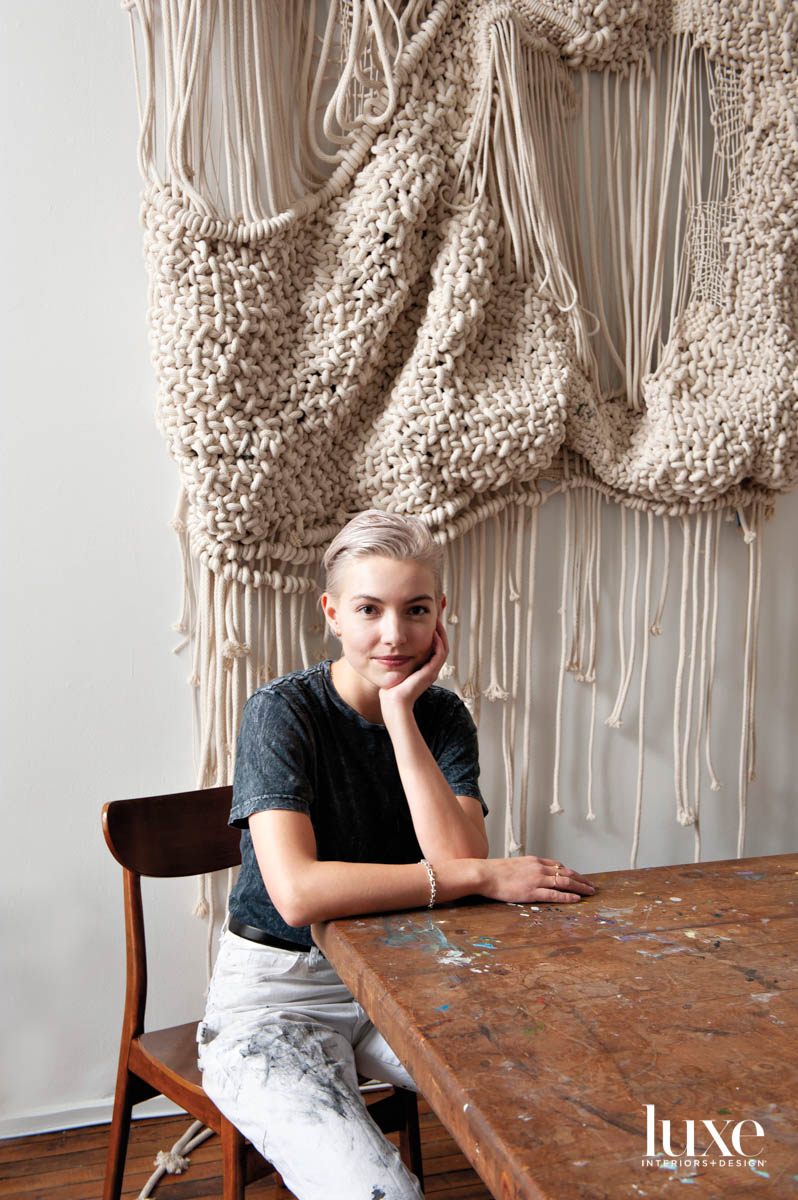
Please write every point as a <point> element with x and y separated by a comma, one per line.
<point>540,1033</point>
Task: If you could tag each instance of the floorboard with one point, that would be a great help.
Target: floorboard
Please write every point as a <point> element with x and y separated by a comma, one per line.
<point>70,1165</point>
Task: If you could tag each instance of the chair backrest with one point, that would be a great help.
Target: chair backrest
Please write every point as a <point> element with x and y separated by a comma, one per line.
<point>185,833</point>
<point>164,836</point>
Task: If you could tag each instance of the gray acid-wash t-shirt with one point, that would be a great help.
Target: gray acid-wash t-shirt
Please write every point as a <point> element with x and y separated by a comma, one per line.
<point>302,747</point>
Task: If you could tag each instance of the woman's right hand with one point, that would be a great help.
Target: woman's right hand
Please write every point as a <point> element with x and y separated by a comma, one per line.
<point>533,880</point>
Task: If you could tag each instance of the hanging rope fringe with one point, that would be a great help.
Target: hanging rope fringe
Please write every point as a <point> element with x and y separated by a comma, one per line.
<point>641,724</point>
<point>555,806</point>
<point>712,585</point>
<point>525,102</point>
<point>527,710</point>
<point>594,592</point>
<point>747,739</point>
<point>491,585</point>
<point>202,908</point>
<point>627,655</point>
<point>516,536</point>
<point>261,166</point>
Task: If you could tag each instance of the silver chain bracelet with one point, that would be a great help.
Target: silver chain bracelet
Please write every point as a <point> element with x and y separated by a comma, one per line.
<point>433,886</point>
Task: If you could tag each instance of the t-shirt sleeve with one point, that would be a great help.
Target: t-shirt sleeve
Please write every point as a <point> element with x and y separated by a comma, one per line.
<point>456,749</point>
<point>273,759</point>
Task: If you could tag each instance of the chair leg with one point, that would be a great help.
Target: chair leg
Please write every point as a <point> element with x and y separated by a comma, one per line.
<point>233,1162</point>
<point>410,1137</point>
<point>124,1099</point>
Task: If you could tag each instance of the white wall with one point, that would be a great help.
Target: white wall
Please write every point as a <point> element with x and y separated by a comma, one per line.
<point>95,706</point>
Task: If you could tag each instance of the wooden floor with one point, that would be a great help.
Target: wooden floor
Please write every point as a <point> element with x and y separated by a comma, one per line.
<point>70,1165</point>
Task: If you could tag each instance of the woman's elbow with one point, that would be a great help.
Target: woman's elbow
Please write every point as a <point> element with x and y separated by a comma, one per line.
<point>290,901</point>
<point>295,909</point>
<point>474,845</point>
<point>480,847</point>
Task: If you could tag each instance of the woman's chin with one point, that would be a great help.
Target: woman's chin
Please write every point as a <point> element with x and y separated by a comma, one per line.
<point>387,675</point>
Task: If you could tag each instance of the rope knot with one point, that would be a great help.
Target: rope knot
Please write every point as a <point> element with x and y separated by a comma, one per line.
<point>173,1163</point>
<point>232,649</point>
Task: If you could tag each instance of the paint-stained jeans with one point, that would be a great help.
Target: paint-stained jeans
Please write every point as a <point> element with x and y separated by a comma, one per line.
<point>280,1049</point>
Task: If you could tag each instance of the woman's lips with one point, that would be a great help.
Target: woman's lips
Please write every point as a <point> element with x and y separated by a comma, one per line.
<point>393,660</point>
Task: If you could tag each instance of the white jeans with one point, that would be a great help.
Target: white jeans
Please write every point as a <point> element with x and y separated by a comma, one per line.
<point>280,1048</point>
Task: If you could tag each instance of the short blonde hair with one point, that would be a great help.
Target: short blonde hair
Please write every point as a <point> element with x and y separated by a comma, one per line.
<point>389,535</point>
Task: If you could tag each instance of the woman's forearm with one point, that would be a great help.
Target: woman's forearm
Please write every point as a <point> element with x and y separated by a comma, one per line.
<point>323,891</point>
<point>443,829</point>
<point>305,889</point>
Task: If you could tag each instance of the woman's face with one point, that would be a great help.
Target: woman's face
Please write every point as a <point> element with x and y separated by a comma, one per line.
<point>384,612</point>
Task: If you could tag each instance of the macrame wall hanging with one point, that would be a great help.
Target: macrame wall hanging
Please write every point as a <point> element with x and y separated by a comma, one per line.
<point>452,257</point>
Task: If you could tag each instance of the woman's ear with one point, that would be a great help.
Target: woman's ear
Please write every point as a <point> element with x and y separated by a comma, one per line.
<point>441,604</point>
<point>328,605</point>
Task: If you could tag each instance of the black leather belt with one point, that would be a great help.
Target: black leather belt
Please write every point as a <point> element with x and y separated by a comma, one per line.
<point>253,934</point>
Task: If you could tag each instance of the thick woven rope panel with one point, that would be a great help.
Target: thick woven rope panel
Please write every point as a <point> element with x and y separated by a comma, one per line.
<point>392,340</point>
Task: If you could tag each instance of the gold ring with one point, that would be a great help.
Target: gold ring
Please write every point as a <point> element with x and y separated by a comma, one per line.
<point>556,878</point>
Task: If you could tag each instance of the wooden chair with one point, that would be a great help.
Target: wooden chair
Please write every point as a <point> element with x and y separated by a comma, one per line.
<point>167,836</point>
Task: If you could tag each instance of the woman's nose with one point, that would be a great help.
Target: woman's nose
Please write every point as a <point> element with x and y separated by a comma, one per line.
<point>392,630</point>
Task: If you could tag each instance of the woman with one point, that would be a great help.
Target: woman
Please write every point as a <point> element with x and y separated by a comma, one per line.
<point>356,790</point>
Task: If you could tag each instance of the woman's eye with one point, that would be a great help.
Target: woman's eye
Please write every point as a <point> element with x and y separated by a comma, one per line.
<point>367,610</point>
<point>418,610</point>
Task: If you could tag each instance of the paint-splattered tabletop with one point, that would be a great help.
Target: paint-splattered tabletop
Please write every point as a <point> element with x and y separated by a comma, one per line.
<point>643,1042</point>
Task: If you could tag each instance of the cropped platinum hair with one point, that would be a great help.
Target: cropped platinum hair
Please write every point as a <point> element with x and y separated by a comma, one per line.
<point>389,535</point>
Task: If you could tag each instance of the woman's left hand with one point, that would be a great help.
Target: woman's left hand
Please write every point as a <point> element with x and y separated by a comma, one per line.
<point>405,693</point>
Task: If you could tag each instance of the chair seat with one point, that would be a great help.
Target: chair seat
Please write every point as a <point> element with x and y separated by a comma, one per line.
<point>176,1049</point>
